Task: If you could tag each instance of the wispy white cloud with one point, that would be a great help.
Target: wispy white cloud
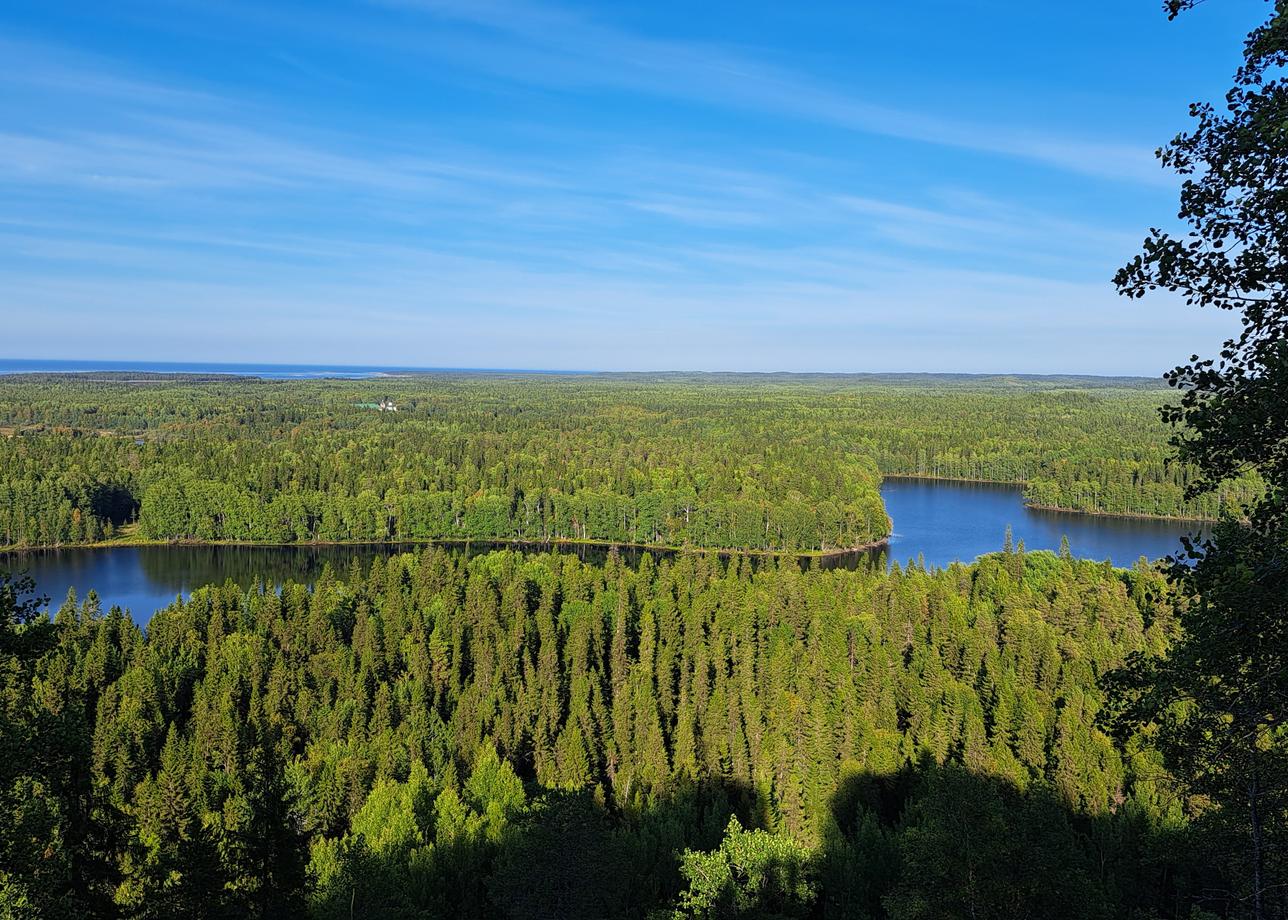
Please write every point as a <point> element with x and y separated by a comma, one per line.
<point>41,66</point>
<point>557,46</point>
<point>199,217</point>
<point>428,308</point>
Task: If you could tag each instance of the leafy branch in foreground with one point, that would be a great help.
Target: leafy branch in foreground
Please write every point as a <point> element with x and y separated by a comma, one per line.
<point>1220,697</point>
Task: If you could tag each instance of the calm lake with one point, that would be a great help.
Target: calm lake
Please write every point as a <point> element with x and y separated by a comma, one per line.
<point>957,521</point>
<point>940,521</point>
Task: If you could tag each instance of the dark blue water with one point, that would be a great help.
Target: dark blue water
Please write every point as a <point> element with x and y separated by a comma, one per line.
<point>949,522</point>
<point>144,579</point>
<point>942,522</point>
<point>273,371</point>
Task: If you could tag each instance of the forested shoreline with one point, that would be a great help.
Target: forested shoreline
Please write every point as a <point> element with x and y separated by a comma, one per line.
<point>536,736</point>
<point>756,463</point>
<point>914,477</point>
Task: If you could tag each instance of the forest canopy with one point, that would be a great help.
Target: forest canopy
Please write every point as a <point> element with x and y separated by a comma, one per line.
<point>767,463</point>
<point>535,736</point>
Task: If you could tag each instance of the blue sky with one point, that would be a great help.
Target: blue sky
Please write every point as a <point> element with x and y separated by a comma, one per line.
<point>720,186</point>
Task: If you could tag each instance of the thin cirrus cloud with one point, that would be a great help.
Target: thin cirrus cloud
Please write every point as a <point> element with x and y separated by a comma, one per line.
<point>557,46</point>
<point>143,205</point>
<point>166,152</point>
<point>763,325</point>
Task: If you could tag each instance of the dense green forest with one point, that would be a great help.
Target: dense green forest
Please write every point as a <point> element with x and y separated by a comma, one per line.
<point>259,461</point>
<point>535,736</point>
<point>761,462</point>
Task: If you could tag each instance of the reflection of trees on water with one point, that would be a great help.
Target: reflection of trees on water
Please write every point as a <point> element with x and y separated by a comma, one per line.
<point>158,573</point>
<point>183,568</point>
<point>179,568</point>
<point>851,562</point>
<point>148,577</point>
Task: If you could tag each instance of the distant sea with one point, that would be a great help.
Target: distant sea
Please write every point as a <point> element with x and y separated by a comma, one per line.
<point>364,372</point>
<point>275,371</point>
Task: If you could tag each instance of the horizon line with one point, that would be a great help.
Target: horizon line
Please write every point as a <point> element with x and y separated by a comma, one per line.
<point>95,365</point>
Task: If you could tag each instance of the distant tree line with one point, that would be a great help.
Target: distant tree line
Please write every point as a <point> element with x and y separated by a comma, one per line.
<point>422,481</point>
<point>760,464</point>
<point>1101,451</point>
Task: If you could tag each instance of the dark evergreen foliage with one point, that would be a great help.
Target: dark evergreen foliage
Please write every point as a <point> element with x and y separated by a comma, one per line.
<point>511,735</point>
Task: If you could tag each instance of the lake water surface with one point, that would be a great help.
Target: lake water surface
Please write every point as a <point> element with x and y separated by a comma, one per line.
<point>940,521</point>
<point>949,522</point>
<point>143,579</point>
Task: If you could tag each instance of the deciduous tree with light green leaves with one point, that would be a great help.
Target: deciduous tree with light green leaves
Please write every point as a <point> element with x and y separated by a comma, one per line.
<point>752,874</point>
<point>1220,696</point>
